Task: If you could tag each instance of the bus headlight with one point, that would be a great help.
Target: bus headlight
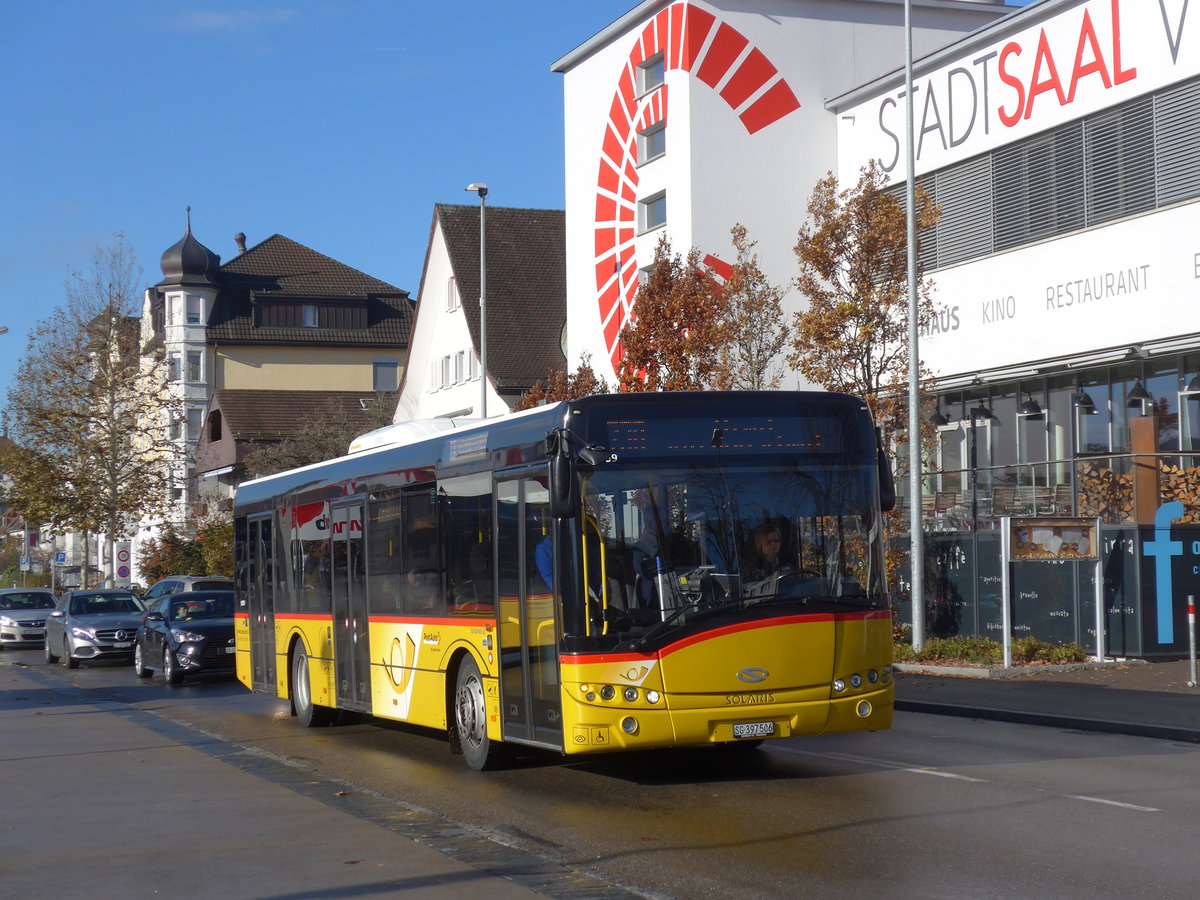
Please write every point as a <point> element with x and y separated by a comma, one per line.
<point>855,680</point>
<point>652,696</point>
<point>629,725</point>
<point>839,685</point>
<point>872,676</point>
<point>608,692</point>
<point>863,709</point>
<point>631,695</point>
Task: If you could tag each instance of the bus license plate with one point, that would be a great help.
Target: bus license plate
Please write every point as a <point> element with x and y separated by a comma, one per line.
<point>753,729</point>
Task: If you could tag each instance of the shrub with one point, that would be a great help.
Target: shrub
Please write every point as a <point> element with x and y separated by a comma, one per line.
<point>982,651</point>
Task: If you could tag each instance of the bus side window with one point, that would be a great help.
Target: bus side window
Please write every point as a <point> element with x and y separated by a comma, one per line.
<point>466,519</point>
<point>421,578</point>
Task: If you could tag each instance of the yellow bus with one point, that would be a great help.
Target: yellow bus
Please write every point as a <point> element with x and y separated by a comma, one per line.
<point>618,572</point>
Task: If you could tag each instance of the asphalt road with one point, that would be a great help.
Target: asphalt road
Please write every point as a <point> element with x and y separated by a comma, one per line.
<point>936,807</point>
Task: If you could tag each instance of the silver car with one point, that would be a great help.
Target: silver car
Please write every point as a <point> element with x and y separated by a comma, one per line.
<point>23,613</point>
<point>93,625</point>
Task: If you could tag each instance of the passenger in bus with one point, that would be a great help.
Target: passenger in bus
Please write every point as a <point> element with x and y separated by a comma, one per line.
<point>543,556</point>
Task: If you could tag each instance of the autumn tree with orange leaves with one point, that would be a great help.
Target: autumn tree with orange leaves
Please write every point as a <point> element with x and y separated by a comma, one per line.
<point>678,328</point>
<point>853,335</point>
<point>560,386</point>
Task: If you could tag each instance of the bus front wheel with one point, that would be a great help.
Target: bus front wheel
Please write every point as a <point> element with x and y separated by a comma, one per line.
<point>470,719</point>
<point>309,714</point>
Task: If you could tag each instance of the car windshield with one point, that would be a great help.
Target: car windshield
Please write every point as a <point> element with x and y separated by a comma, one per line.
<point>26,601</point>
<point>662,545</point>
<point>205,608</point>
<point>104,604</point>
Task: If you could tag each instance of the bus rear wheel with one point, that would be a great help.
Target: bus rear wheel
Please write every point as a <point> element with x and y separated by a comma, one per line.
<point>309,714</point>
<point>470,719</point>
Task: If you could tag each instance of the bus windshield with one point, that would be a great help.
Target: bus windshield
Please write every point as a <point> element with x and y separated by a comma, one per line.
<point>666,547</point>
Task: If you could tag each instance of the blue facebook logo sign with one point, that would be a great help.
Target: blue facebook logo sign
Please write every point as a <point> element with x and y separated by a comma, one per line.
<point>1163,549</point>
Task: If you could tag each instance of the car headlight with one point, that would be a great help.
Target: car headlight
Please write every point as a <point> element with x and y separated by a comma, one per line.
<point>186,637</point>
<point>83,633</point>
<point>8,621</point>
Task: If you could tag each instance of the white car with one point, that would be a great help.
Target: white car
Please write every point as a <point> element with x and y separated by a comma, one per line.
<point>93,625</point>
<point>23,613</point>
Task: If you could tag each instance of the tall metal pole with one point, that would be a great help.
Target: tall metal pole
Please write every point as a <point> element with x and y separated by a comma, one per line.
<point>916,538</point>
<point>482,190</point>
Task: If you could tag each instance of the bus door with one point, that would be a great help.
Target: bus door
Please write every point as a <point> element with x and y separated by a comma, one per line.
<point>530,697</point>
<point>259,586</point>
<point>351,643</point>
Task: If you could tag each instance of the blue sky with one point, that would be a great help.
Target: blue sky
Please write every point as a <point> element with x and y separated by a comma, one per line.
<point>338,123</point>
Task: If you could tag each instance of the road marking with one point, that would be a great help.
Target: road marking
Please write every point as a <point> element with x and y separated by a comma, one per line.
<point>1132,806</point>
<point>881,764</point>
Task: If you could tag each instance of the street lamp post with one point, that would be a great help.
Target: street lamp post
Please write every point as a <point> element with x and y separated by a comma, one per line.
<point>482,189</point>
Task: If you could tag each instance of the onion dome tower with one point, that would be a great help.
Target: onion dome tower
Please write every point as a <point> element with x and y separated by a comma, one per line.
<point>188,263</point>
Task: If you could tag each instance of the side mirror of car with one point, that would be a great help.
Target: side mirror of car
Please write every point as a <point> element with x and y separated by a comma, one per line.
<point>57,614</point>
<point>154,617</point>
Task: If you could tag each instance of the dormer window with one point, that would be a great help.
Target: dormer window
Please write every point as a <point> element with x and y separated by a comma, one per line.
<point>308,315</point>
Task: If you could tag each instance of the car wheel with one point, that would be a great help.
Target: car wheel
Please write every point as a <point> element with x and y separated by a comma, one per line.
<point>51,659</point>
<point>170,668</point>
<point>139,663</point>
<point>68,660</point>
<point>470,719</point>
<point>309,714</point>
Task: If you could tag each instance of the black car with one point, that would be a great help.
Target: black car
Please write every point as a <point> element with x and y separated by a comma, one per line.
<point>188,633</point>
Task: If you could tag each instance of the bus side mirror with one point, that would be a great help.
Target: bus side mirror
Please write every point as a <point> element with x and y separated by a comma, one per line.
<point>887,483</point>
<point>564,486</point>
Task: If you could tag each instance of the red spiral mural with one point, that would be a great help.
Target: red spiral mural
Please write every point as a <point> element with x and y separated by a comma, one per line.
<point>694,41</point>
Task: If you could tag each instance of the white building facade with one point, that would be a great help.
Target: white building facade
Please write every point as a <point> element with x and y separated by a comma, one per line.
<point>687,118</point>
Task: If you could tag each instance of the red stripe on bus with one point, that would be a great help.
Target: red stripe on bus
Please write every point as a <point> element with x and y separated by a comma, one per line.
<point>810,618</point>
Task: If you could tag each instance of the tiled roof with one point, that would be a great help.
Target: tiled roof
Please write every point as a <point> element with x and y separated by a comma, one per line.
<point>526,287</point>
<point>280,268</point>
<point>252,415</point>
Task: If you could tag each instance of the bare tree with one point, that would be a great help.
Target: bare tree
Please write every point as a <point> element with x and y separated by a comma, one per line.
<point>89,415</point>
<point>340,423</point>
<point>756,330</point>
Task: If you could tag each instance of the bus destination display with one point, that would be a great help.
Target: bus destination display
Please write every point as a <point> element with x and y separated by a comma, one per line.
<point>751,434</point>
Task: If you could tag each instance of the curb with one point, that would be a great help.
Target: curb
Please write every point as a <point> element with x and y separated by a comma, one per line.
<point>1136,729</point>
<point>1013,672</point>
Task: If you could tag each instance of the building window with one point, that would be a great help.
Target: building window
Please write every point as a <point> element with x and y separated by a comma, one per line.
<point>193,309</point>
<point>651,74</point>
<point>652,212</point>
<point>385,374</point>
<point>453,301</point>
<point>195,416</point>
<point>445,375</point>
<point>460,367</point>
<point>173,367</point>
<point>652,143</point>
<point>308,315</point>
<point>472,367</point>
<point>194,358</point>
<point>214,427</point>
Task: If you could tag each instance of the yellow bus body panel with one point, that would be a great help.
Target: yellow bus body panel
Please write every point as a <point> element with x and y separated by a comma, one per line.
<point>777,672</point>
